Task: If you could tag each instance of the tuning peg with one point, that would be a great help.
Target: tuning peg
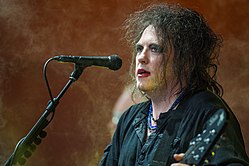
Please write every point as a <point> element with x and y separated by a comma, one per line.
<point>43,134</point>
<point>207,140</point>
<point>196,157</point>
<point>201,149</point>
<point>32,147</point>
<point>198,139</point>
<point>192,143</point>
<point>212,132</point>
<point>21,161</point>
<point>37,141</point>
<point>27,154</point>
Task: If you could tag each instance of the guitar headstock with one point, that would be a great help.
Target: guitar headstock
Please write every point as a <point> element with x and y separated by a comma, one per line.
<point>201,145</point>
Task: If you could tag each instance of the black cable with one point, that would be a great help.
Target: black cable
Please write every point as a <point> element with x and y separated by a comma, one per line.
<point>48,87</point>
<point>46,80</point>
<point>10,161</point>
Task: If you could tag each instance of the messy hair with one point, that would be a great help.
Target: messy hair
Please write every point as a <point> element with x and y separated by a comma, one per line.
<point>183,30</point>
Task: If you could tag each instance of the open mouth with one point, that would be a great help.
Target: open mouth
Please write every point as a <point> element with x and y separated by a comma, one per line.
<point>142,73</point>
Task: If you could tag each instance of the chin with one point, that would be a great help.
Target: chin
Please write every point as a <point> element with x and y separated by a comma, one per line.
<point>143,88</point>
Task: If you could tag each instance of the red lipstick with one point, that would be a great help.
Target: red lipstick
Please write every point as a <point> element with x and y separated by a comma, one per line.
<point>143,73</point>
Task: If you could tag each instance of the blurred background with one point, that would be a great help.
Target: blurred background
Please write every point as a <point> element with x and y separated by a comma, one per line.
<point>32,31</point>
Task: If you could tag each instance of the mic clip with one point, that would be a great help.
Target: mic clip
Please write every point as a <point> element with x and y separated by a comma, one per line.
<point>78,69</point>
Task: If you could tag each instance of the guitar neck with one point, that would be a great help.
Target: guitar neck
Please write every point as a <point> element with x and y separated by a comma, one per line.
<point>202,144</point>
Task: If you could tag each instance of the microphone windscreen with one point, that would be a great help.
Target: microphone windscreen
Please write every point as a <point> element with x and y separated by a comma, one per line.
<point>116,62</point>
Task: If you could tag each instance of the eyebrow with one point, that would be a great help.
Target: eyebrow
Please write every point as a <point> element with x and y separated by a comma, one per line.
<point>150,45</point>
<point>138,45</point>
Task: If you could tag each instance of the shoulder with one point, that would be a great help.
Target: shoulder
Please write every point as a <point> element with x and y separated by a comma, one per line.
<point>204,101</point>
<point>205,96</point>
<point>134,110</point>
<point>198,107</point>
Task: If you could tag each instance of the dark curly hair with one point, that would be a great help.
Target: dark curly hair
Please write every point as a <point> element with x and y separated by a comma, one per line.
<point>195,46</point>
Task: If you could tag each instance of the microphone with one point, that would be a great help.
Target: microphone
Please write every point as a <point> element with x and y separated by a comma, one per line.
<point>113,62</point>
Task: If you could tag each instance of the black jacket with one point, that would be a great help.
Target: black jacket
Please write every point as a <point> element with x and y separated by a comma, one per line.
<point>130,147</point>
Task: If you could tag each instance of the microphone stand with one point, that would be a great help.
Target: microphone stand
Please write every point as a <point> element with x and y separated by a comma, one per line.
<point>25,146</point>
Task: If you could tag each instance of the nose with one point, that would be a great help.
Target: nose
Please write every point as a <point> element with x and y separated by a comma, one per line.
<point>142,57</point>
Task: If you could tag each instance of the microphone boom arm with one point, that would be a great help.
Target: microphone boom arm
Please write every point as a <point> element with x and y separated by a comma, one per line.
<point>25,146</point>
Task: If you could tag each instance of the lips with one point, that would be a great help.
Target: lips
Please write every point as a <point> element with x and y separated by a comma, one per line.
<point>143,73</point>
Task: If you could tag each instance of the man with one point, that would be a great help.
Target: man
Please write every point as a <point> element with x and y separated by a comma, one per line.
<point>175,53</point>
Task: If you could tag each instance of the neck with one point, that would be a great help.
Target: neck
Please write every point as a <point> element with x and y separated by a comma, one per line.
<point>162,105</point>
<point>162,101</point>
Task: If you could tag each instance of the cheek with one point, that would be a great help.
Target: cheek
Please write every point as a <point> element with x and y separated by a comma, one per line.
<point>161,73</point>
<point>159,66</point>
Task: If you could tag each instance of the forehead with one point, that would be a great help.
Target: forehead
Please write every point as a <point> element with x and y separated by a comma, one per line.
<point>148,36</point>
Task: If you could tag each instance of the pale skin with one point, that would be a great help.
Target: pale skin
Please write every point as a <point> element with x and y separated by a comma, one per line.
<point>149,76</point>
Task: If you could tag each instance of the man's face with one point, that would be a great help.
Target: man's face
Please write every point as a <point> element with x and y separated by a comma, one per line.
<point>149,59</point>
